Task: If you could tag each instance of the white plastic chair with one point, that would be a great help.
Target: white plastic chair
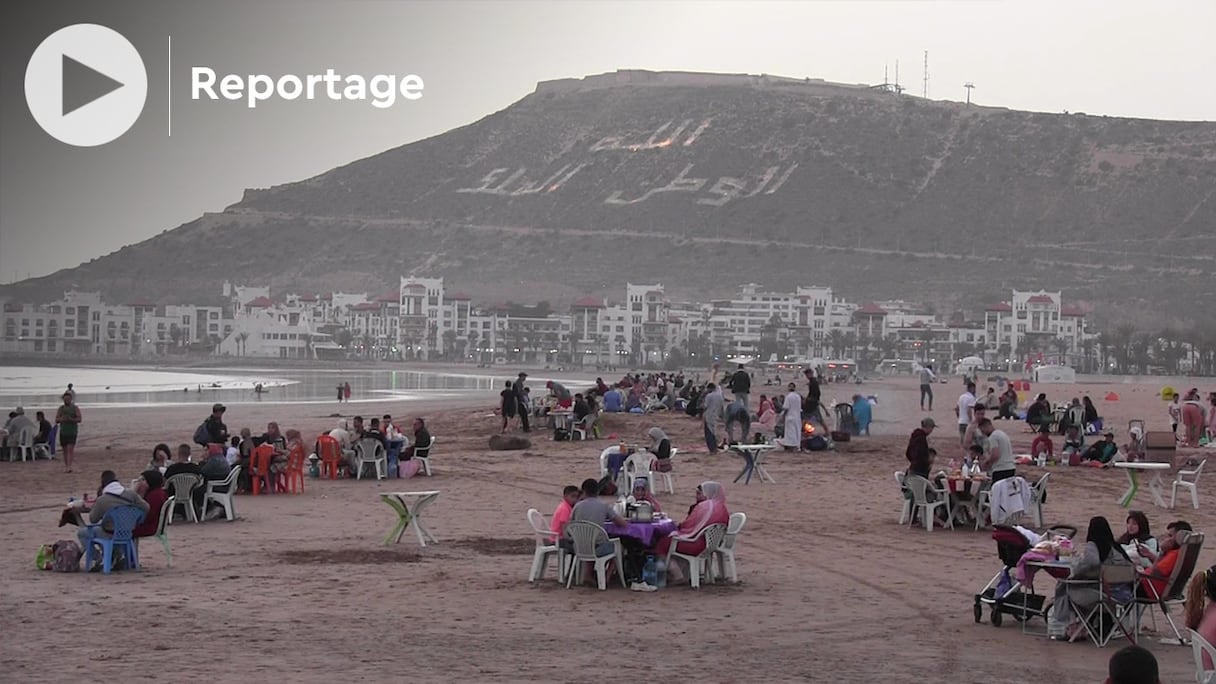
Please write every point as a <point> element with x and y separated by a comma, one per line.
<point>906,511</point>
<point>702,562</point>
<point>545,546</point>
<point>370,450</point>
<point>162,529</point>
<point>1200,646</point>
<point>183,486</point>
<point>920,487</point>
<point>1037,493</point>
<point>24,446</point>
<point>726,553</point>
<point>637,465</point>
<point>584,427</point>
<point>586,536</point>
<point>424,454</point>
<point>669,480</point>
<point>1187,479</point>
<point>224,498</point>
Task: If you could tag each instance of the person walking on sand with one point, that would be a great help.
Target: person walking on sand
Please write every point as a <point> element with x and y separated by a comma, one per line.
<point>346,391</point>
<point>926,386</point>
<point>340,393</point>
<point>68,418</point>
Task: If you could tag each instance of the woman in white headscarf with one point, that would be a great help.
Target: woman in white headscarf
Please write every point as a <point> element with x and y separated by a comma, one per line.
<point>710,509</point>
<point>792,408</point>
<point>660,446</point>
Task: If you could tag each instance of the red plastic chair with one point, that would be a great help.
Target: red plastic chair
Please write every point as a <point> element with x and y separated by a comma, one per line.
<point>294,472</point>
<point>330,453</point>
<point>259,468</point>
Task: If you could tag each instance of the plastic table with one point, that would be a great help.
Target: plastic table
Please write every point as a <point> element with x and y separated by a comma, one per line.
<point>409,507</point>
<point>1156,485</point>
<point>645,532</point>
<point>753,456</point>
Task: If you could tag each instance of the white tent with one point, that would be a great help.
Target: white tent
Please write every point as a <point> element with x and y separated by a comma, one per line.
<point>1055,374</point>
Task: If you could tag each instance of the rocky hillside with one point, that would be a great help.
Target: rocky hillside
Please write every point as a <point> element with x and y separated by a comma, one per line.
<point>704,182</point>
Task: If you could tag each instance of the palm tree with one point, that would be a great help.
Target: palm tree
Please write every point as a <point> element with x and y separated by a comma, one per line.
<point>835,342</point>
<point>1139,351</point>
<point>240,342</point>
<point>176,334</point>
<point>1087,352</point>
<point>1121,339</point>
<point>1062,345</point>
<point>472,344</point>
<point>850,345</point>
<point>449,343</point>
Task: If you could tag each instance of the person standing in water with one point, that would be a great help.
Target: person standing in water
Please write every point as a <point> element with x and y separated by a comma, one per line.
<point>68,418</point>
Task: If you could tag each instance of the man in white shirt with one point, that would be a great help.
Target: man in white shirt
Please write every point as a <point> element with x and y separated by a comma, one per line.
<point>965,411</point>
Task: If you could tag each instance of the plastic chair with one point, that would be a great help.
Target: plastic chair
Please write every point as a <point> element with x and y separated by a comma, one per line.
<point>370,450</point>
<point>123,520</point>
<point>702,562</point>
<point>424,454</point>
<point>726,553</point>
<point>1038,494</point>
<point>637,465</point>
<point>1200,646</point>
<point>586,537</point>
<point>906,511</point>
<point>330,453</point>
<point>162,529</point>
<point>545,547</point>
<point>668,477</point>
<point>24,446</point>
<point>224,498</point>
<point>1187,479</point>
<point>291,479</point>
<point>47,450</point>
<point>183,486</point>
<point>259,468</point>
<point>920,487</point>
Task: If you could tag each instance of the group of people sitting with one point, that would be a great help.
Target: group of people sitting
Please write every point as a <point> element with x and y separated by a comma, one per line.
<point>397,446</point>
<point>596,501</point>
<point>1154,561</point>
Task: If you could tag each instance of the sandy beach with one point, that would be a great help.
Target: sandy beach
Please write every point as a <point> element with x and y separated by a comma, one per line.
<point>300,587</point>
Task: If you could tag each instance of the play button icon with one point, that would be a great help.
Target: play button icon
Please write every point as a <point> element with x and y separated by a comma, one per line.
<point>82,85</point>
<point>85,85</point>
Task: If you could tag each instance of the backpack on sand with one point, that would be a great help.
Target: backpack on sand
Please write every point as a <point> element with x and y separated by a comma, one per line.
<point>66,556</point>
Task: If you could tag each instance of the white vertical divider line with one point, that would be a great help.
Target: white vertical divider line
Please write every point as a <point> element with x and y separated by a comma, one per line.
<point>170,79</point>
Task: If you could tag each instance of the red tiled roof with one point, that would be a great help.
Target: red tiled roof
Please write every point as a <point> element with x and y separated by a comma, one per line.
<point>389,297</point>
<point>872,309</point>
<point>1072,311</point>
<point>1040,299</point>
<point>308,298</point>
<point>327,297</point>
<point>366,306</point>
<point>589,303</point>
<point>261,301</point>
<point>999,306</point>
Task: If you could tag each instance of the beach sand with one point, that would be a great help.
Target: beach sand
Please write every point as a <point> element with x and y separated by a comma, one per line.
<point>300,589</point>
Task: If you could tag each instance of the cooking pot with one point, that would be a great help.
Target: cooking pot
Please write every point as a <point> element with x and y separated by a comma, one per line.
<point>643,511</point>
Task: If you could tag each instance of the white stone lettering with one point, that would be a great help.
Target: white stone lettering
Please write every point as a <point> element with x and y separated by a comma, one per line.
<point>679,184</point>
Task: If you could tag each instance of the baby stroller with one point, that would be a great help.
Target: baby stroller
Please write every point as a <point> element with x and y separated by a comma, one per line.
<point>1005,594</point>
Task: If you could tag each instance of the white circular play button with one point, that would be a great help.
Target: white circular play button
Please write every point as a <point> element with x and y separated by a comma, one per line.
<point>86,85</point>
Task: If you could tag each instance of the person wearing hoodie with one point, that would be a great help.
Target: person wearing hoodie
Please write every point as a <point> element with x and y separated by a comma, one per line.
<point>110,495</point>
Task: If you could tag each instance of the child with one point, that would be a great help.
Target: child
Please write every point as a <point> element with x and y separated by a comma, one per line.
<point>1042,445</point>
<point>233,453</point>
<point>1073,442</point>
<point>510,403</point>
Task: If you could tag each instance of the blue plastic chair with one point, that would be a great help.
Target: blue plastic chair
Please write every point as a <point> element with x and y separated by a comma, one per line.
<point>123,519</point>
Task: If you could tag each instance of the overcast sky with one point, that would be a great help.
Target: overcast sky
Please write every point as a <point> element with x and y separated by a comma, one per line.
<point>60,206</point>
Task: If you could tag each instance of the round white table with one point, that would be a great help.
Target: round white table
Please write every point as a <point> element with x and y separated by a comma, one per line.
<point>409,507</point>
<point>1156,486</point>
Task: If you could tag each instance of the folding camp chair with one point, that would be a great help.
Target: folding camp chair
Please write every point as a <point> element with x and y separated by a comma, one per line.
<point>1190,544</point>
<point>1116,597</point>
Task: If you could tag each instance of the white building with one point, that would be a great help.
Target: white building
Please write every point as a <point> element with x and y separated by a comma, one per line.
<point>1034,323</point>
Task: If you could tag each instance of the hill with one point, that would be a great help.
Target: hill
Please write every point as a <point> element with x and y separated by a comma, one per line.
<point>704,182</point>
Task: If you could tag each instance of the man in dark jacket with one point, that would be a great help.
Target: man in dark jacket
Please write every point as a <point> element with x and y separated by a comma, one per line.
<point>741,385</point>
<point>919,458</point>
<point>518,388</point>
<point>810,403</point>
<point>216,430</point>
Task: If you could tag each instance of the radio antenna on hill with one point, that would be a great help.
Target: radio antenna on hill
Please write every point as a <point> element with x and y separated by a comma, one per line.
<point>924,88</point>
<point>968,85</point>
<point>898,88</point>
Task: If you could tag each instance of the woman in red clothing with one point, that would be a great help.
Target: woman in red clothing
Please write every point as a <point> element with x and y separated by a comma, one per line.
<point>152,484</point>
<point>710,509</point>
